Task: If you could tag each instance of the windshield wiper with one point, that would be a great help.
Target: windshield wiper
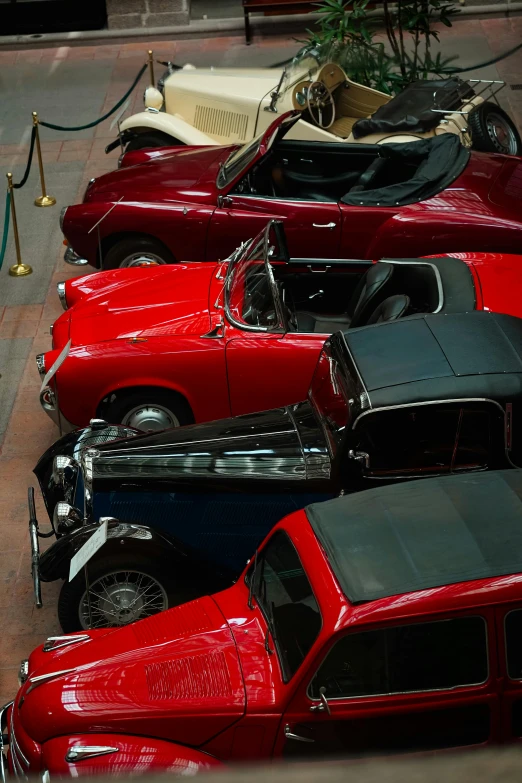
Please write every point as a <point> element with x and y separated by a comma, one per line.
<point>251,585</point>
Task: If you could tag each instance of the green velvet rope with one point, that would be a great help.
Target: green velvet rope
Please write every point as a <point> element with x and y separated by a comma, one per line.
<point>7,216</point>
<point>29,160</point>
<point>97,122</point>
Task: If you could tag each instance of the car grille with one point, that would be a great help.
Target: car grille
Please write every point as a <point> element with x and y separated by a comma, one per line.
<point>218,122</point>
<point>19,762</point>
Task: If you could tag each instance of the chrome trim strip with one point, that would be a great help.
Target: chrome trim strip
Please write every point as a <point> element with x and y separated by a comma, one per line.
<point>418,262</point>
<point>427,402</point>
<point>64,641</point>
<point>14,742</point>
<point>3,727</point>
<point>81,752</point>
<point>34,682</point>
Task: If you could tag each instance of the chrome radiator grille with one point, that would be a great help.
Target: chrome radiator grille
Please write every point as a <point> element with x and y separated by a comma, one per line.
<point>218,122</point>
<point>19,761</point>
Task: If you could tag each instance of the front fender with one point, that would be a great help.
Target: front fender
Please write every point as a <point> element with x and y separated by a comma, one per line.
<point>54,562</point>
<point>167,123</point>
<point>71,445</point>
<point>131,756</point>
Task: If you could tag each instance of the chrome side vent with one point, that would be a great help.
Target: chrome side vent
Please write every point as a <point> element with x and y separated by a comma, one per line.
<point>218,122</point>
<point>55,642</point>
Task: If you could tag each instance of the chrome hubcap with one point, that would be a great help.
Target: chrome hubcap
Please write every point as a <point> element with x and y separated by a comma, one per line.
<point>150,418</point>
<point>142,259</point>
<point>501,134</point>
<point>122,597</point>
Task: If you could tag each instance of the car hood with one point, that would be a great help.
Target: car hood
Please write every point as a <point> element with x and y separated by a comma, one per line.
<point>143,303</point>
<point>174,676</point>
<point>178,175</point>
<point>255,447</point>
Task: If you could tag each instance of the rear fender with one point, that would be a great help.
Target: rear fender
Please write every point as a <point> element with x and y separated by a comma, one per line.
<point>167,123</point>
<point>156,545</point>
<point>122,754</point>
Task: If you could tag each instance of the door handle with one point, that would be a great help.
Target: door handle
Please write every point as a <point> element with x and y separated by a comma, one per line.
<point>290,735</point>
<point>324,225</point>
<point>224,201</point>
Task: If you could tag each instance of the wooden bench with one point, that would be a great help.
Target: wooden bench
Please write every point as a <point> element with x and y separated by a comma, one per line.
<point>275,7</point>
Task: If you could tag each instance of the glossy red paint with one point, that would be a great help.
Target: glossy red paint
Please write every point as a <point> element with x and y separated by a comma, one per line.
<point>171,195</point>
<point>195,686</point>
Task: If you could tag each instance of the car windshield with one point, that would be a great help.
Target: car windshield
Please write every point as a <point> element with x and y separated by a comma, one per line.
<point>331,397</point>
<point>252,299</point>
<point>284,595</point>
<point>237,161</point>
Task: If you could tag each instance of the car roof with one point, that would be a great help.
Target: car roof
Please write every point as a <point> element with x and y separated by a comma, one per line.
<point>424,534</point>
<point>448,356</point>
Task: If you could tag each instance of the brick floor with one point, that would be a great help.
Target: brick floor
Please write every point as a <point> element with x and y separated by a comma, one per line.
<point>29,431</point>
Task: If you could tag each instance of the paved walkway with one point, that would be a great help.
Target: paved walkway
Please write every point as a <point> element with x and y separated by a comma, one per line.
<point>72,86</point>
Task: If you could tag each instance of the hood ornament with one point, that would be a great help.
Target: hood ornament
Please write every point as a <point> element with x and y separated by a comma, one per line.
<point>34,682</point>
<point>55,642</point>
<point>81,752</point>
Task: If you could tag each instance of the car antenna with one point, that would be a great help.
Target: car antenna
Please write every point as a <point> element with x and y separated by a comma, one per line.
<point>251,585</point>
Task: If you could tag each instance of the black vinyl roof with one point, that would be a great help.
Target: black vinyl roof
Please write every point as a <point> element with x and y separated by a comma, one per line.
<point>422,534</point>
<point>439,357</point>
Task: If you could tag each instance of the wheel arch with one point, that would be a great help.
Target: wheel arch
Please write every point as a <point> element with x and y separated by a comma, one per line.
<point>167,123</point>
<point>108,242</point>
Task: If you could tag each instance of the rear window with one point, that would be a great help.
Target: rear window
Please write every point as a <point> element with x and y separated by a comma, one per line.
<point>419,657</point>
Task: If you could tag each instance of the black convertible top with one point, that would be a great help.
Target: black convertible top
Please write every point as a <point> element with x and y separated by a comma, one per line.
<point>422,534</point>
<point>439,357</point>
<point>411,110</point>
<point>439,162</point>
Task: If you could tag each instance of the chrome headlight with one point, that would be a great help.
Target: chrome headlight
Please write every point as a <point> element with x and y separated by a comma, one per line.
<point>62,217</point>
<point>64,470</point>
<point>23,671</point>
<point>60,287</point>
<point>66,518</point>
<point>40,364</point>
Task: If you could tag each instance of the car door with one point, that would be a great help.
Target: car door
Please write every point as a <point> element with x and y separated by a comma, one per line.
<point>313,229</point>
<point>362,229</point>
<point>422,686</point>
<point>509,634</point>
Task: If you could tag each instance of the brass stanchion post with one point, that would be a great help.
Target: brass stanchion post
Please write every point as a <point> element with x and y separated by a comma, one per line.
<point>44,200</point>
<point>18,269</point>
<point>151,69</point>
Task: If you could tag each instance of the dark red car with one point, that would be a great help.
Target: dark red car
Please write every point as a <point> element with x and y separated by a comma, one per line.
<point>337,200</point>
<point>163,346</point>
<point>360,627</point>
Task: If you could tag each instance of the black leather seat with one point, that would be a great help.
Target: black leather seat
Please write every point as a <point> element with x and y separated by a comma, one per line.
<point>370,290</point>
<point>367,177</point>
<point>392,308</point>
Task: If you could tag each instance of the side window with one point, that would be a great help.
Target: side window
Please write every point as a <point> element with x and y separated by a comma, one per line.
<point>513,633</point>
<point>418,657</point>
<point>428,439</point>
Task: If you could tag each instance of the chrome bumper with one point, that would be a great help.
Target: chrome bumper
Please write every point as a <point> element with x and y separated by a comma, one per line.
<point>49,404</point>
<point>70,257</point>
<point>4,742</point>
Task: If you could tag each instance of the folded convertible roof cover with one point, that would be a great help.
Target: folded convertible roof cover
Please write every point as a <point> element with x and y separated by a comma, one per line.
<point>439,162</point>
<point>422,534</point>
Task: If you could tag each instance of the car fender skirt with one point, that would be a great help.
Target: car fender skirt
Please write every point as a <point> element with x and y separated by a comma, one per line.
<point>112,754</point>
<point>154,544</point>
<point>167,123</point>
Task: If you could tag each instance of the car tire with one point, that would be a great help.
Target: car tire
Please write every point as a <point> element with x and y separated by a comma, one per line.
<point>154,139</point>
<point>492,130</point>
<point>113,588</point>
<point>137,251</point>
<point>153,409</point>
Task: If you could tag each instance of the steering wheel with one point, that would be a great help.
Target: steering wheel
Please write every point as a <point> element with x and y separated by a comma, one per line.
<point>320,98</point>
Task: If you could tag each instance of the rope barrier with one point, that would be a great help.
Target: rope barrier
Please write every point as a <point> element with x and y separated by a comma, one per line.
<point>105,116</point>
<point>29,161</point>
<point>7,215</point>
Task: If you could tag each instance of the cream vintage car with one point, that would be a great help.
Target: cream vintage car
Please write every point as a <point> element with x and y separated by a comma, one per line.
<point>204,106</point>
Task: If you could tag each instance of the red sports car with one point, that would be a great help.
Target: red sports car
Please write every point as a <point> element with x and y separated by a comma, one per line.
<point>337,200</point>
<point>161,346</point>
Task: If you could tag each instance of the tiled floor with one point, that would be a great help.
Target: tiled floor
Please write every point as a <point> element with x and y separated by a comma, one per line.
<point>72,86</point>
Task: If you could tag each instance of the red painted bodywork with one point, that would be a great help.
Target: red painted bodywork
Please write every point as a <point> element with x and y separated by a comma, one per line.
<point>172,196</point>
<point>145,326</point>
<point>196,684</point>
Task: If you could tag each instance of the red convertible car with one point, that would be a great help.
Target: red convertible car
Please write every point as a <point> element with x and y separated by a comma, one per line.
<point>337,200</point>
<point>168,345</point>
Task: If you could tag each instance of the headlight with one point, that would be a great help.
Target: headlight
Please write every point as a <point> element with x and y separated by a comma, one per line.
<point>62,217</point>
<point>60,287</point>
<point>64,470</point>
<point>66,518</point>
<point>40,364</point>
<point>152,98</point>
<point>23,671</point>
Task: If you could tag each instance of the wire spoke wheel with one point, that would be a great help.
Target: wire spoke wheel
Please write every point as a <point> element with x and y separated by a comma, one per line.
<point>501,134</point>
<point>121,597</point>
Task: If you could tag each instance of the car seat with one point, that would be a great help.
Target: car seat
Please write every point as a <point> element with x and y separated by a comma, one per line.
<point>392,308</point>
